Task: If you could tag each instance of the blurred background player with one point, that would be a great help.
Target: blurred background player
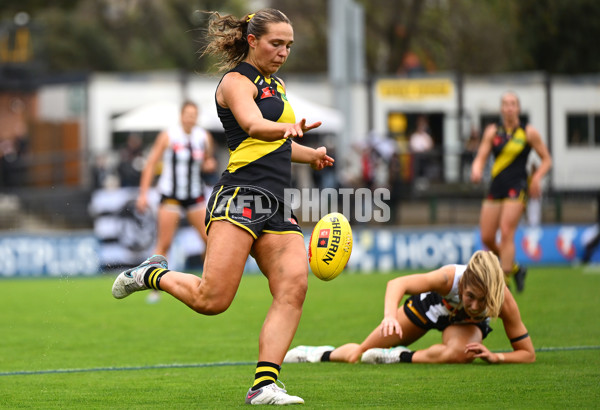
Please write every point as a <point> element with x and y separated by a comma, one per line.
<point>510,142</point>
<point>457,300</point>
<point>185,151</point>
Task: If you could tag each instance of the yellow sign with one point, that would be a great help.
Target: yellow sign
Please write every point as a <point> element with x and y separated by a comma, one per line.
<point>397,123</point>
<point>410,89</point>
<point>16,49</point>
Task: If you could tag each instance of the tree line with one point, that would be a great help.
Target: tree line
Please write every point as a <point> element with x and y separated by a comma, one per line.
<point>402,36</point>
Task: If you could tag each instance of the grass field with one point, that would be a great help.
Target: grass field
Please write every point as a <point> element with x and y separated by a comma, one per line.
<point>66,343</point>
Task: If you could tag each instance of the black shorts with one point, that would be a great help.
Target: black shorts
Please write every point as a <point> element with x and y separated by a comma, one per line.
<point>182,203</point>
<point>430,311</point>
<point>252,209</point>
<point>500,191</point>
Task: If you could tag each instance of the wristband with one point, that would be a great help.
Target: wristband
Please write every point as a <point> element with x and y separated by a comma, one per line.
<point>500,358</point>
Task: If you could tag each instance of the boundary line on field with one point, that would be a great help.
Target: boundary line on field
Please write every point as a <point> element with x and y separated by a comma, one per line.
<point>124,368</point>
<point>216,364</point>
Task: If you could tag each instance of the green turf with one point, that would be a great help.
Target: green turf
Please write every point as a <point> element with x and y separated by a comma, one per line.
<point>61,325</point>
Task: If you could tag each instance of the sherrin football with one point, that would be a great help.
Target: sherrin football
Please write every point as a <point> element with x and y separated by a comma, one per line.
<point>330,246</point>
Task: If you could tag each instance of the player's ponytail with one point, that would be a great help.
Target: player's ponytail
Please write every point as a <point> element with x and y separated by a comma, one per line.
<point>228,36</point>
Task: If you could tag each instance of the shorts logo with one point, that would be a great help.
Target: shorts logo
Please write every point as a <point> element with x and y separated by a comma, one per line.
<point>323,238</point>
<point>244,204</point>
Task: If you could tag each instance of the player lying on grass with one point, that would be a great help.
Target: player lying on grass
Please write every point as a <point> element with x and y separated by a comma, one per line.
<point>457,300</point>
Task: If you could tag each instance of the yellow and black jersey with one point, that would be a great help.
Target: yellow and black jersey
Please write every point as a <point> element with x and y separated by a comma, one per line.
<point>509,171</point>
<point>254,162</point>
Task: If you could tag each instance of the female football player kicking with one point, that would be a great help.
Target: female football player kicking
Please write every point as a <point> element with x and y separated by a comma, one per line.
<point>457,300</point>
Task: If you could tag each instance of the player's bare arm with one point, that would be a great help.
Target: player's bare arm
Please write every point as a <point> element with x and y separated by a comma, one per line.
<point>535,140</point>
<point>158,148</point>
<point>210,163</point>
<point>483,152</point>
<point>439,280</point>
<point>317,158</point>
<point>237,93</point>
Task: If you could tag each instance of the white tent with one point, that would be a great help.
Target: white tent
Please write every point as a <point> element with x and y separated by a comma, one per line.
<point>156,116</point>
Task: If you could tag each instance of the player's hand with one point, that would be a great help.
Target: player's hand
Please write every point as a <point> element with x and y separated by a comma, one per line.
<point>535,189</point>
<point>209,165</point>
<point>482,352</point>
<point>390,326</point>
<point>475,175</point>
<point>322,160</point>
<point>141,204</point>
<point>298,129</point>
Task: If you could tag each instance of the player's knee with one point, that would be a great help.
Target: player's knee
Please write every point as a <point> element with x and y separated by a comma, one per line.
<point>464,359</point>
<point>454,356</point>
<point>296,295</point>
<point>488,241</point>
<point>211,306</point>
<point>507,233</point>
<point>458,357</point>
<point>293,291</point>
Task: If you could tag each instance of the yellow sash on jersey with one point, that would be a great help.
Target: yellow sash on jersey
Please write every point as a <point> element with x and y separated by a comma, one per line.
<point>510,151</point>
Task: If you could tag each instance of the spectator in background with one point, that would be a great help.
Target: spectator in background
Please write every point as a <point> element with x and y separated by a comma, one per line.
<point>186,151</point>
<point>100,171</point>
<point>131,161</point>
<point>421,146</point>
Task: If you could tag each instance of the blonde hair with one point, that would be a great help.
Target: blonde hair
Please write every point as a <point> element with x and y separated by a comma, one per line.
<point>513,94</point>
<point>228,36</point>
<point>484,272</point>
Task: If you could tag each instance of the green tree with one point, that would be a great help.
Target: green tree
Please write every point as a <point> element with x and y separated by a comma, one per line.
<point>120,35</point>
<point>470,36</point>
<point>559,36</point>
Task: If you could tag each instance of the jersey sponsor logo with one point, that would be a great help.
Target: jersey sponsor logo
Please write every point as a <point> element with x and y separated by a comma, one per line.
<point>267,92</point>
